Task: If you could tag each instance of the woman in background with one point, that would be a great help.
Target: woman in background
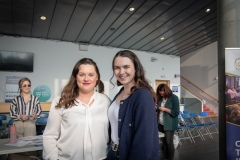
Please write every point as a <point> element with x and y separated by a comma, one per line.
<point>168,110</point>
<point>132,117</point>
<point>77,127</point>
<point>24,109</point>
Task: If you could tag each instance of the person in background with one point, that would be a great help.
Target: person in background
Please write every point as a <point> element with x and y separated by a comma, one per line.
<point>168,110</point>
<point>77,127</point>
<point>25,109</point>
<point>232,92</point>
<point>132,117</point>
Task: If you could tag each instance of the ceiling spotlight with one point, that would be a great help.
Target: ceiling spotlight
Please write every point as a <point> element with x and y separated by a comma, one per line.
<point>207,10</point>
<point>162,38</point>
<point>43,18</point>
<point>112,29</point>
<point>131,9</point>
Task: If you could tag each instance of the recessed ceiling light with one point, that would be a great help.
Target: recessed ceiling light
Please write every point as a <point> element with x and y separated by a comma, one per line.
<point>162,38</point>
<point>43,18</point>
<point>112,29</point>
<point>208,10</point>
<point>131,9</point>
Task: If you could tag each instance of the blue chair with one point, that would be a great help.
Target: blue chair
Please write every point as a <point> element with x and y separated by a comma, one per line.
<point>41,121</point>
<point>44,115</point>
<point>206,119</point>
<point>194,129</point>
<point>10,122</point>
<point>203,128</point>
<point>186,112</point>
<point>41,124</point>
<point>3,125</point>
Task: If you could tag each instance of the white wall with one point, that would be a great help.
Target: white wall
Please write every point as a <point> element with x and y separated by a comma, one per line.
<point>54,61</point>
<point>201,68</point>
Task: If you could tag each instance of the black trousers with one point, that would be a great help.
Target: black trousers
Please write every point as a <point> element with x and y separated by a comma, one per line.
<point>167,143</point>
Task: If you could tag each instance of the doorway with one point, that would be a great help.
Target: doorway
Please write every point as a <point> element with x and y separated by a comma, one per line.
<point>157,82</point>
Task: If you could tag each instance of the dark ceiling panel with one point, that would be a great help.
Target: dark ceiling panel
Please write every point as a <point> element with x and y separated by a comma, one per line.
<point>188,36</point>
<point>182,32</point>
<point>80,15</point>
<point>61,17</point>
<point>6,17</point>
<point>23,17</point>
<point>154,38</point>
<point>115,13</point>
<point>95,20</point>
<point>148,5</point>
<point>183,23</point>
<point>193,41</point>
<point>118,22</point>
<point>42,8</point>
<point>192,48</point>
<point>143,22</point>
<point>155,23</point>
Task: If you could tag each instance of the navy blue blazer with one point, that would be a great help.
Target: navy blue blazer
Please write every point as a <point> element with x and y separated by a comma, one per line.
<point>137,127</point>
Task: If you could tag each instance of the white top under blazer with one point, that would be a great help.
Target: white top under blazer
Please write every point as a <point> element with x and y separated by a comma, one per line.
<point>79,132</point>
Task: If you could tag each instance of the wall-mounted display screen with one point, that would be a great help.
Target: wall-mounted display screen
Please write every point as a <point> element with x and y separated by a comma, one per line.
<point>16,61</point>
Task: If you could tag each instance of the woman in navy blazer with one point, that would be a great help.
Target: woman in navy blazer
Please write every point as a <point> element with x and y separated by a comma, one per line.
<point>168,110</point>
<point>132,113</point>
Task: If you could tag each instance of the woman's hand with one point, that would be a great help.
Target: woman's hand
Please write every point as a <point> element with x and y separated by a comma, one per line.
<point>161,108</point>
<point>23,117</point>
<point>33,116</point>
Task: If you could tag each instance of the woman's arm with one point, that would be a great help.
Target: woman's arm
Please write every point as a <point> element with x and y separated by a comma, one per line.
<point>175,106</point>
<point>52,132</point>
<point>13,110</point>
<point>37,110</point>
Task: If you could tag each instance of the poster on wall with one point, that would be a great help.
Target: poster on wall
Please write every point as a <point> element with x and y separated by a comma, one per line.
<point>12,89</point>
<point>175,88</point>
<point>232,95</point>
<point>43,93</point>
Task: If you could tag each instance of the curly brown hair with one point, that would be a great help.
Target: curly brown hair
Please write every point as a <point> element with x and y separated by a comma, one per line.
<point>71,90</point>
<point>139,78</point>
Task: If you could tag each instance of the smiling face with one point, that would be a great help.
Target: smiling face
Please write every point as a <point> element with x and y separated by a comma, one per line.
<point>25,87</point>
<point>86,78</point>
<point>124,71</point>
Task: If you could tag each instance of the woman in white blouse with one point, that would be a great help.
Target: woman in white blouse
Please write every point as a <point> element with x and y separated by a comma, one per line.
<point>77,126</point>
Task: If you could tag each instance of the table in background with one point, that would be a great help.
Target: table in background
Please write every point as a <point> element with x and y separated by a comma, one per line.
<point>5,149</point>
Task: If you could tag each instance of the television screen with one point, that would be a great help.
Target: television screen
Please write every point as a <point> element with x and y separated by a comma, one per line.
<point>16,61</point>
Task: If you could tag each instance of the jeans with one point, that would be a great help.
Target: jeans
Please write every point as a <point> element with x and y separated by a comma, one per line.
<point>167,142</point>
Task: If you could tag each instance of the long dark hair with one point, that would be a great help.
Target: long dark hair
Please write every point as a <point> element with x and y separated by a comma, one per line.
<point>71,90</point>
<point>166,89</point>
<point>139,78</point>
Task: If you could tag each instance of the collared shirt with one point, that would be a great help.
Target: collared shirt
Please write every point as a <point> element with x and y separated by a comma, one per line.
<point>19,106</point>
<point>79,132</point>
<point>161,121</point>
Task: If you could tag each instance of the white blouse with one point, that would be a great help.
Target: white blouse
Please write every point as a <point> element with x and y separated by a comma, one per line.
<point>79,132</point>
<point>113,118</point>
